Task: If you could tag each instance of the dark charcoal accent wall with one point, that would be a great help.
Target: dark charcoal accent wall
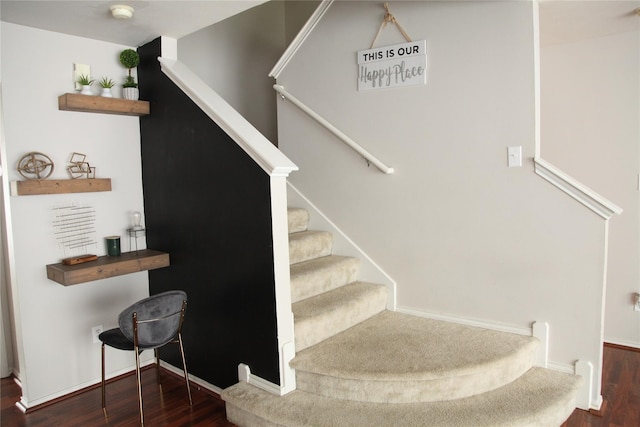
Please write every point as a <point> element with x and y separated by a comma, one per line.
<point>208,204</point>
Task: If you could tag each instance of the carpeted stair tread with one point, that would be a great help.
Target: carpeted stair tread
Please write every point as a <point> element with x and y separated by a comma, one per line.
<point>298,219</point>
<point>329,313</point>
<point>395,357</point>
<point>540,398</point>
<point>313,277</point>
<point>392,345</point>
<point>306,245</point>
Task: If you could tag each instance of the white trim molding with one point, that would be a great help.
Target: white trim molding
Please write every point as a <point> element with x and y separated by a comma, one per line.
<point>468,321</point>
<point>572,187</point>
<point>540,330</point>
<point>584,368</point>
<point>169,47</point>
<point>623,343</point>
<point>245,375</point>
<point>282,280</point>
<point>300,38</point>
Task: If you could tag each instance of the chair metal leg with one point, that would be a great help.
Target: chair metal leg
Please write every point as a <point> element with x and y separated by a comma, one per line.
<point>139,384</point>
<point>184,368</point>
<point>104,404</point>
<point>155,351</point>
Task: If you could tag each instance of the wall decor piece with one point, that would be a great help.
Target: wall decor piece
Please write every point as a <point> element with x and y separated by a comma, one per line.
<point>35,165</point>
<point>79,168</point>
<point>74,227</point>
<point>391,66</point>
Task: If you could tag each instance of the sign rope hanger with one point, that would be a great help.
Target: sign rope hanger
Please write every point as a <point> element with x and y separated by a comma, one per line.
<point>389,18</point>
<point>385,67</point>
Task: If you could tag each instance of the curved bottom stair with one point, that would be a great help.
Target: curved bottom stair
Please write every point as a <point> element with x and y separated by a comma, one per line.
<point>358,364</point>
<point>540,398</point>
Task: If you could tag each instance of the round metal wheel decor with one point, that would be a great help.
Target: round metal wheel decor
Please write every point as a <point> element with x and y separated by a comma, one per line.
<point>35,165</point>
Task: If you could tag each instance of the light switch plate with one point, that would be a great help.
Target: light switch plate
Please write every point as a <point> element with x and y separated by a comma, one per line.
<point>79,70</point>
<point>514,156</point>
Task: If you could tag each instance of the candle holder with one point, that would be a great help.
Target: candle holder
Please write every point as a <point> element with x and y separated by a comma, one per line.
<point>136,231</point>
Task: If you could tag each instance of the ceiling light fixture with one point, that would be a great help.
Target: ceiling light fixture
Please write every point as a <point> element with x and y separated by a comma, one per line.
<point>121,11</point>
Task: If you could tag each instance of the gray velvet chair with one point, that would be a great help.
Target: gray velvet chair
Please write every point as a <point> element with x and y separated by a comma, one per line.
<point>148,324</point>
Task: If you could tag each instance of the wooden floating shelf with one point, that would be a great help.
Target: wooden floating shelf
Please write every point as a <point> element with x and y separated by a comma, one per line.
<point>107,266</point>
<point>101,104</point>
<point>59,186</point>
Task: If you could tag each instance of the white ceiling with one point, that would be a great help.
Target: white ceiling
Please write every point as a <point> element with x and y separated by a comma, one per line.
<point>93,20</point>
<point>561,21</point>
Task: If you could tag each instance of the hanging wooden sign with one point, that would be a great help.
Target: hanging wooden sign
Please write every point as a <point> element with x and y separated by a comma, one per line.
<point>391,66</point>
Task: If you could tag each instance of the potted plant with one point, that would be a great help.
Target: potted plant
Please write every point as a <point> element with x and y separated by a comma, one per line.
<point>129,58</point>
<point>106,84</point>
<point>85,81</point>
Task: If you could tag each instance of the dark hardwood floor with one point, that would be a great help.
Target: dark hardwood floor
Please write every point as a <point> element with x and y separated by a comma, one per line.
<point>165,405</point>
<point>168,405</point>
<point>620,391</point>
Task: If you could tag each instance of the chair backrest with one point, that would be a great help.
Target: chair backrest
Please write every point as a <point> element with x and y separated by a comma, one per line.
<point>159,318</point>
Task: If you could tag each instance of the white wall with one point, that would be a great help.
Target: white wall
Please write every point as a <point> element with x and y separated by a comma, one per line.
<point>464,236</point>
<point>591,130</point>
<point>53,322</point>
<point>296,14</point>
<point>234,57</point>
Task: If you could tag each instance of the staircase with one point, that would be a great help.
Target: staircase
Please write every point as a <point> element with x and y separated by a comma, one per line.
<point>358,364</point>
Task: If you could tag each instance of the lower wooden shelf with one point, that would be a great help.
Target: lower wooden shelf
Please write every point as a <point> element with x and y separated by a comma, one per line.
<point>107,266</point>
<point>59,186</point>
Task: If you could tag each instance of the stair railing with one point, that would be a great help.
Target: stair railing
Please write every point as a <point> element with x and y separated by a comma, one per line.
<point>370,158</point>
<point>575,189</point>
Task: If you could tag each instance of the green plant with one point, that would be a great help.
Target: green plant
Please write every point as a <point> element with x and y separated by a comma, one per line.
<point>107,83</point>
<point>85,80</point>
<point>129,58</point>
<point>129,82</point>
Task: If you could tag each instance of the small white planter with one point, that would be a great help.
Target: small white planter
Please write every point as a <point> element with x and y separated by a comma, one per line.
<point>86,90</point>
<point>130,93</point>
<point>106,92</point>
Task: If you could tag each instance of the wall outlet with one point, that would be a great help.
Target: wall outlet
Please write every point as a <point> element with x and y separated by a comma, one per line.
<point>636,306</point>
<point>95,331</point>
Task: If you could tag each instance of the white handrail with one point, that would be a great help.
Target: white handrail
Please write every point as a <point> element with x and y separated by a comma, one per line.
<point>370,158</point>
<point>575,189</point>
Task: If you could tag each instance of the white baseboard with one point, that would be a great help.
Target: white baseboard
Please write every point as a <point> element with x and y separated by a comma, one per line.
<point>624,343</point>
<point>25,405</point>
<point>244,374</point>
<point>192,379</point>
<point>585,399</point>
<point>467,321</point>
